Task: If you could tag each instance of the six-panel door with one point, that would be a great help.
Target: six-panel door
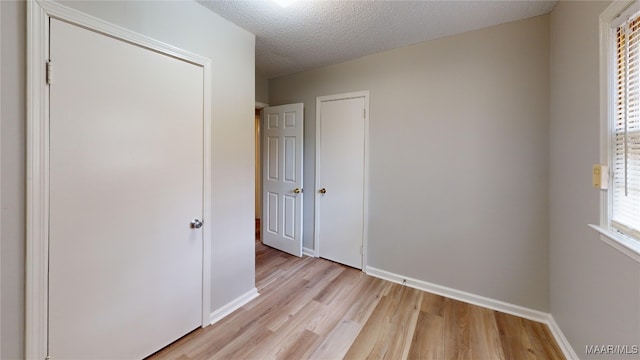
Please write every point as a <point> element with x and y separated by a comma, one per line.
<point>282,133</point>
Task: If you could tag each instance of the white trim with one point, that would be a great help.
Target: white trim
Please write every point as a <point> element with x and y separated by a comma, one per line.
<point>232,306</point>
<point>36,322</point>
<point>620,13</point>
<point>562,341</point>
<point>55,10</point>
<point>478,300</point>
<point>365,228</point>
<point>207,202</point>
<point>38,15</point>
<point>629,247</point>
<point>316,219</point>
<point>606,96</point>
<point>308,252</point>
<point>615,13</point>
<point>0,180</point>
<point>316,182</point>
<point>261,105</point>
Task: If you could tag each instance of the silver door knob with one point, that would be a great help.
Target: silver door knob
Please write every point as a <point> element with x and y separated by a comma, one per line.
<point>196,224</point>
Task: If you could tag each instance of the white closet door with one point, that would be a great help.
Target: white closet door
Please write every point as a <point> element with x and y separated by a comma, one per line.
<point>341,157</point>
<point>126,180</point>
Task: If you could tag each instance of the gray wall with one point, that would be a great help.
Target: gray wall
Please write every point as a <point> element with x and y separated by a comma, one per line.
<point>13,134</point>
<point>458,157</point>
<point>262,89</point>
<point>595,290</point>
<point>186,25</point>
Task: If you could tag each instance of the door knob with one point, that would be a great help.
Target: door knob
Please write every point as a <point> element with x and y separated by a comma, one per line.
<point>323,191</point>
<point>196,224</point>
<point>297,190</point>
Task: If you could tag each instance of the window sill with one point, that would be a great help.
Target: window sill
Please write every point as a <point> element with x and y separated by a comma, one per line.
<point>626,246</point>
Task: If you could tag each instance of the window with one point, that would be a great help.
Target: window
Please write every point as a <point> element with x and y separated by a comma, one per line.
<point>620,126</point>
<point>624,192</point>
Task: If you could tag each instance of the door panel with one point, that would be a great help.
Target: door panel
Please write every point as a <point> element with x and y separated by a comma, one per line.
<point>290,159</point>
<point>126,179</point>
<point>273,158</point>
<point>341,173</point>
<point>282,161</point>
<point>290,217</point>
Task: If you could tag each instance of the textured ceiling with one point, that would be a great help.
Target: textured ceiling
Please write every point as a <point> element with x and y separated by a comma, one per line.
<point>310,34</point>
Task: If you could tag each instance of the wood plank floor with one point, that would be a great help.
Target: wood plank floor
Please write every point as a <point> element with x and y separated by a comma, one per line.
<point>315,309</point>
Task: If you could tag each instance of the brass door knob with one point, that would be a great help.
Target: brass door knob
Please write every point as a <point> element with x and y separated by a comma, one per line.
<point>323,191</point>
<point>297,190</point>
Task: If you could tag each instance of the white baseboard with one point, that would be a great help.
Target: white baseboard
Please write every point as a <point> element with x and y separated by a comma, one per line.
<point>233,306</point>
<point>562,341</point>
<point>493,304</point>
<point>308,252</point>
<point>474,299</point>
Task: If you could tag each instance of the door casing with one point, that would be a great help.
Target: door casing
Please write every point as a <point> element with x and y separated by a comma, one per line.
<point>39,13</point>
<point>259,106</point>
<point>316,195</point>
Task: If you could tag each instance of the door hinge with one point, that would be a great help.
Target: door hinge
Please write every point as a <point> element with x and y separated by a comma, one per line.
<point>361,250</point>
<point>364,113</point>
<point>49,72</point>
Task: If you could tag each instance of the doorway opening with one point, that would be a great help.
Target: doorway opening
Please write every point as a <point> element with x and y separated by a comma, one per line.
<point>258,170</point>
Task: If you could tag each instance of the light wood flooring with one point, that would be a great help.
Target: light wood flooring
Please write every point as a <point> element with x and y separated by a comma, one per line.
<point>312,308</point>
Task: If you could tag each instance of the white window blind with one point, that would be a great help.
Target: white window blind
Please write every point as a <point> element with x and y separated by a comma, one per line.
<point>625,162</point>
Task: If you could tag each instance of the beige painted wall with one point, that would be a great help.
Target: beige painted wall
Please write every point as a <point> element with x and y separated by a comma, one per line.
<point>262,89</point>
<point>186,25</point>
<point>13,134</point>
<point>458,157</point>
<point>595,290</point>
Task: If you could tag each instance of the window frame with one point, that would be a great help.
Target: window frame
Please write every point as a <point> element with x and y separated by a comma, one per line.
<point>615,14</point>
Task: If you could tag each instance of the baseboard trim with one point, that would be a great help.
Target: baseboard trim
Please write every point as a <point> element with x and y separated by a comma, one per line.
<point>474,299</point>
<point>308,252</point>
<point>232,306</point>
<point>562,341</point>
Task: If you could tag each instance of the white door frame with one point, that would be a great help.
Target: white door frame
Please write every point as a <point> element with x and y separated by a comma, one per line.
<point>0,183</point>
<point>258,161</point>
<point>38,15</point>
<point>316,194</point>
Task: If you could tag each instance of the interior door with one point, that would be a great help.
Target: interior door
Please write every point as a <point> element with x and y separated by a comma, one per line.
<point>282,134</point>
<point>340,165</point>
<point>126,182</point>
